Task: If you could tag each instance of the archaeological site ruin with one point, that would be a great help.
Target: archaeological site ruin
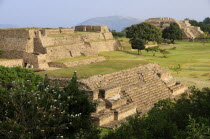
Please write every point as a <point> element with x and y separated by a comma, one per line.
<point>38,48</point>
<point>121,94</point>
<point>190,32</point>
<point>118,95</point>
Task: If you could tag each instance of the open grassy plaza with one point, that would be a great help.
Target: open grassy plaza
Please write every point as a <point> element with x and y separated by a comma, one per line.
<point>193,58</point>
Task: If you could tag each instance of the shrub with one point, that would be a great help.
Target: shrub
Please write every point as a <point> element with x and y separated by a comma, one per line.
<point>30,108</point>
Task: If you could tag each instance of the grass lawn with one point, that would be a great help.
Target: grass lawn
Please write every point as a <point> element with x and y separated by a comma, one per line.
<point>194,58</point>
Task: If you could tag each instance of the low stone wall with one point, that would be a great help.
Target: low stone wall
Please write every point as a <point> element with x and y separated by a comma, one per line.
<point>12,63</point>
<point>77,63</point>
<point>81,49</point>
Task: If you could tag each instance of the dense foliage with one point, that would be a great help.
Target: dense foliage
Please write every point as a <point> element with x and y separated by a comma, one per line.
<point>118,34</point>
<point>153,49</point>
<point>172,33</point>
<point>141,34</point>
<point>30,108</point>
<point>1,52</point>
<point>187,117</point>
<point>205,25</point>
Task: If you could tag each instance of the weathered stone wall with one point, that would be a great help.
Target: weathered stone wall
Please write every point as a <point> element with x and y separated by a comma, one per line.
<point>81,49</point>
<point>54,31</point>
<point>12,63</point>
<point>51,41</point>
<point>77,63</point>
<point>15,39</point>
<point>89,28</point>
<point>39,46</point>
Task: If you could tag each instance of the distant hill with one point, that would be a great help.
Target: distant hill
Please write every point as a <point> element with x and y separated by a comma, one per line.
<point>117,23</point>
<point>7,26</point>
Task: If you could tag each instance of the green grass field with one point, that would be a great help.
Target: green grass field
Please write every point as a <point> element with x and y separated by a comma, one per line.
<point>194,58</point>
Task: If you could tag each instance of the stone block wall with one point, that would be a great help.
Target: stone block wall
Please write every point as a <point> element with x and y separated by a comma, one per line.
<point>35,45</point>
<point>12,63</point>
<point>81,49</point>
<point>15,39</point>
<point>89,28</point>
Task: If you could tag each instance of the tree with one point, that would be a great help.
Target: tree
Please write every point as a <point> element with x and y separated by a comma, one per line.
<point>141,34</point>
<point>137,43</point>
<point>185,118</point>
<point>1,52</point>
<point>30,108</point>
<point>205,37</point>
<point>173,32</point>
<point>206,20</point>
<point>153,49</point>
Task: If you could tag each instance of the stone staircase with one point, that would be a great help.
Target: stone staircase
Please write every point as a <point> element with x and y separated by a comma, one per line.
<point>190,32</point>
<point>122,94</point>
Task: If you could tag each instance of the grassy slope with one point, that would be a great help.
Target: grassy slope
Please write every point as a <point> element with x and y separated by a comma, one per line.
<point>194,58</point>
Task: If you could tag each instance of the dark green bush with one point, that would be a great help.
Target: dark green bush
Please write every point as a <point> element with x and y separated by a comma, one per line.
<point>188,117</point>
<point>30,108</point>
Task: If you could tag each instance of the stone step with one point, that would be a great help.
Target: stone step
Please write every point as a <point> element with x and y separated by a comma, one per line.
<point>100,119</point>
<point>125,111</point>
<point>109,92</point>
<point>178,89</point>
<point>113,103</point>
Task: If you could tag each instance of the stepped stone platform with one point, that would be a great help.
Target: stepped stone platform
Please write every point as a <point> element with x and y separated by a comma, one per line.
<point>189,31</point>
<point>126,92</point>
<point>76,63</point>
<point>38,47</point>
<point>122,94</point>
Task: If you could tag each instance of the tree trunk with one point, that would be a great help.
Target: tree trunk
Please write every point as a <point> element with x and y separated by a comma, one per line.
<point>138,52</point>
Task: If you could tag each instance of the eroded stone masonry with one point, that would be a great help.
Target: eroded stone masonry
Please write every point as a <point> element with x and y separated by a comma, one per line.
<point>122,94</point>
<point>190,32</point>
<point>37,47</point>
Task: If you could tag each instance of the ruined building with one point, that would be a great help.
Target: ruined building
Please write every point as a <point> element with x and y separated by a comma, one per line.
<point>36,48</point>
<point>122,94</point>
<point>90,28</point>
<point>190,32</point>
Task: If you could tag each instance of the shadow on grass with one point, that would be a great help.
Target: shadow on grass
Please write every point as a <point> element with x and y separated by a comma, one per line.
<point>128,52</point>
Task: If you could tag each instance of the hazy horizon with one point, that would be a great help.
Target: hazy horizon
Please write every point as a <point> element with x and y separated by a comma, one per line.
<point>65,13</point>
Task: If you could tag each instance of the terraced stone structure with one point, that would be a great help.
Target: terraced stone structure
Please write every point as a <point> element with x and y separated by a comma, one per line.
<point>190,32</point>
<point>122,94</point>
<point>39,46</point>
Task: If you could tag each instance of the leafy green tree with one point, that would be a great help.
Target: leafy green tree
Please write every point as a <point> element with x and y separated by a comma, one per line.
<point>205,37</point>
<point>153,49</point>
<point>30,108</point>
<point>138,44</point>
<point>118,34</point>
<point>206,20</point>
<point>187,117</point>
<point>1,52</point>
<point>176,68</point>
<point>194,22</point>
<point>142,34</point>
<point>173,32</point>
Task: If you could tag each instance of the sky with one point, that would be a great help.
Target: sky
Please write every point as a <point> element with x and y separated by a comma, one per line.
<point>68,13</point>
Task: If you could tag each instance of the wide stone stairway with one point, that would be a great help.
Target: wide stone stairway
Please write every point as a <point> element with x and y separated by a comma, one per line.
<point>122,94</point>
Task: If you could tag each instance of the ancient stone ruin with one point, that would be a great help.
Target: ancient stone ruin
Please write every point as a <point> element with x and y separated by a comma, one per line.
<point>122,94</point>
<point>37,47</point>
<point>190,32</point>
